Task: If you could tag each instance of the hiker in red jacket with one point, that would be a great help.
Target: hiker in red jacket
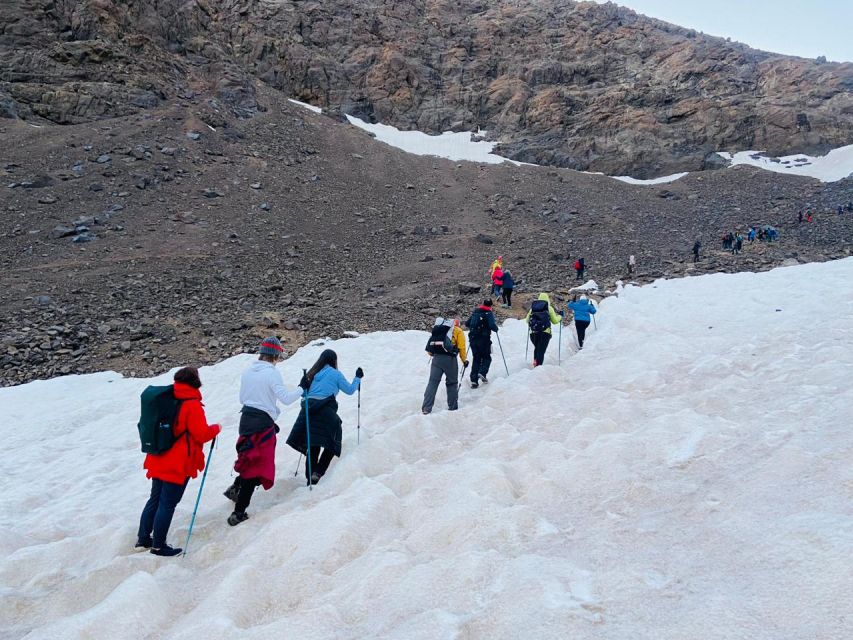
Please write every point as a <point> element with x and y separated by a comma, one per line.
<point>497,281</point>
<point>171,471</point>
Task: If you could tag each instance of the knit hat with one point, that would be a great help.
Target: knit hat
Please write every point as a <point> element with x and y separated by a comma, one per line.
<point>487,302</point>
<point>271,347</point>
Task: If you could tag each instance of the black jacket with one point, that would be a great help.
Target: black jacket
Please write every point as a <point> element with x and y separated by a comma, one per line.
<point>254,421</point>
<point>473,322</point>
<point>325,425</point>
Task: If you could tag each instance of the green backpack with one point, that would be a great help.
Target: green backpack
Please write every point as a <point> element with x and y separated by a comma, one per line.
<point>159,412</point>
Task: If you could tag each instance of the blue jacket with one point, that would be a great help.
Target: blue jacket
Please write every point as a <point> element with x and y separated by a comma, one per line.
<point>582,309</point>
<point>329,381</point>
<point>509,283</point>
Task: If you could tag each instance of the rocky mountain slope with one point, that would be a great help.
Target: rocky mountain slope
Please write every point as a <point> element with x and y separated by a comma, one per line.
<point>570,84</point>
<point>153,239</point>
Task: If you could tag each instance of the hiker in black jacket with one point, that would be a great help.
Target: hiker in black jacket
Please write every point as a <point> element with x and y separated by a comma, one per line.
<point>480,326</point>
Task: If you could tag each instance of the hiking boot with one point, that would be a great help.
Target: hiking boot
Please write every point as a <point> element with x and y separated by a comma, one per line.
<point>315,478</point>
<point>425,412</point>
<point>237,517</point>
<point>474,385</point>
<point>483,378</point>
<point>142,545</point>
<point>166,551</point>
<point>231,493</point>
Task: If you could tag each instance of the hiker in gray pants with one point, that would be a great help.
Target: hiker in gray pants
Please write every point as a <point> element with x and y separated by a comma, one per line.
<point>442,365</point>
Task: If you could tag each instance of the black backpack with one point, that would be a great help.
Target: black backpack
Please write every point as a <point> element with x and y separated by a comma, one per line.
<point>481,326</point>
<point>440,342</point>
<point>159,411</point>
<point>540,319</point>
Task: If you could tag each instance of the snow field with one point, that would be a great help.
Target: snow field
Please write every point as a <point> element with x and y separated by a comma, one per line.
<point>686,475</point>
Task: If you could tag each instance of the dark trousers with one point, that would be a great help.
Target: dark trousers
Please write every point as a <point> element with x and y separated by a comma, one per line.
<point>580,274</point>
<point>696,256</point>
<point>540,346</point>
<point>481,358</point>
<point>447,366</point>
<point>507,297</point>
<point>158,511</point>
<point>319,462</point>
<point>580,326</point>
<point>245,488</point>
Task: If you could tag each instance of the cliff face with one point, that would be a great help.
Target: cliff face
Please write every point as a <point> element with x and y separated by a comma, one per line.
<point>571,84</point>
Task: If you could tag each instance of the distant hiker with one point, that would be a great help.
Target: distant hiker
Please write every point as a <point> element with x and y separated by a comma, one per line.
<point>738,243</point>
<point>261,388</point>
<point>539,320</point>
<point>579,268</point>
<point>323,381</point>
<point>800,216</point>
<point>696,246</point>
<point>171,470</point>
<point>840,210</point>
<point>480,326</point>
<point>632,263</point>
<point>445,342</point>
<point>751,235</point>
<point>508,287</point>
<point>497,281</point>
<point>809,216</point>
<point>582,309</point>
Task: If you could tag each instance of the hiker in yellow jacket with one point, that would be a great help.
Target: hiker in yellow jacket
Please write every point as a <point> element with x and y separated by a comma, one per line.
<point>445,342</point>
<point>539,320</point>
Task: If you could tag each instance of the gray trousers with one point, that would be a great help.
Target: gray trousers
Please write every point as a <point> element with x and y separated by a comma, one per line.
<point>448,367</point>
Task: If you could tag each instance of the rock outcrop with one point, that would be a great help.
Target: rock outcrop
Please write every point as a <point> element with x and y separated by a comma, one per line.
<point>571,84</point>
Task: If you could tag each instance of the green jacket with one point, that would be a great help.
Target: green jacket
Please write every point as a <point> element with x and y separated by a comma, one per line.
<point>555,318</point>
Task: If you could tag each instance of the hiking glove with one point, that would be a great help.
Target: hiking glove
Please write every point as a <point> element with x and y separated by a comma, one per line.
<point>359,373</point>
<point>304,382</point>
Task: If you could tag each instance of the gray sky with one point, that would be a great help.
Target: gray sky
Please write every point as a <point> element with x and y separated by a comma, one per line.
<point>807,28</point>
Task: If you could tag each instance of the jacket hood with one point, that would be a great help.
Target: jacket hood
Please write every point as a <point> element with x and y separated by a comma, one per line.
<point>545,297</point>
<point>186,392</point>
<point>483,307</point>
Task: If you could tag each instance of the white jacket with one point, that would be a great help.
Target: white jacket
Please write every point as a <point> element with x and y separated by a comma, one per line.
<point>261,386</point>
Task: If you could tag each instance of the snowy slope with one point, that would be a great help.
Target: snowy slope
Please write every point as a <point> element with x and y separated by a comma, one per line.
<point>835,165</point>
<point>687,475</point>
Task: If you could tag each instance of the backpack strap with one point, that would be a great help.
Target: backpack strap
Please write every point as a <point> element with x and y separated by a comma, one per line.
<point>185,432</point>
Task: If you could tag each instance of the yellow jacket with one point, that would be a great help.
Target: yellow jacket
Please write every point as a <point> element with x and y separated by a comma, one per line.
<point>555,318</point>
<point>497,263</point>
<point>458,341</point>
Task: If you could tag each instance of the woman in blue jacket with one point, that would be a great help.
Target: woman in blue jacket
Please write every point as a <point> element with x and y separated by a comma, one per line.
<point>582,309</point>
<point>323,381</point>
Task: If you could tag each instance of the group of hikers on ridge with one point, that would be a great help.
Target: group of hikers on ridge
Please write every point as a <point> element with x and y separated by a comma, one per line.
<point>446,343</point>
<point>261,389</point>
<point>173,427</point>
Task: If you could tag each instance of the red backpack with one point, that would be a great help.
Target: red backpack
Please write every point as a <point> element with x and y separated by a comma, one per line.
<point>577,264</point>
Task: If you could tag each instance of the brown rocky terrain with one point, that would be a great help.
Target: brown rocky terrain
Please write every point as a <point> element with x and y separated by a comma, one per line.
<point>569,84</point>
<point>150,240</point>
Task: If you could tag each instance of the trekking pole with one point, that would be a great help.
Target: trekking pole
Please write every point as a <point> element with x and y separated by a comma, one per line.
<point>594,323</point>
<point>198,497</point>
<point>358,430</point>
<point>298,462</point>
<point>560,343</point>
<point>307,437</point>
<point>462,376</point>
<point>502,352</point>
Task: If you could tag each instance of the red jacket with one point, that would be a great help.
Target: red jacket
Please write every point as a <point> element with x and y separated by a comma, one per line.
<point>498,277</point>
<point>186,458</point>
